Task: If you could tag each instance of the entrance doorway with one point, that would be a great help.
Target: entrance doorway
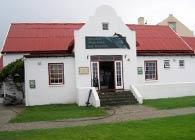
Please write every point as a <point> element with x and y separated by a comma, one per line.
<point>107,72</point>
<point>106,75</point>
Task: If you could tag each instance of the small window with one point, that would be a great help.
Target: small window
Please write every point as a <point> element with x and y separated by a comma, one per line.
<point>181,63</point>
<point>151,70</point>
<point>172,25</point>
<point>166,63</point>
<point>56,73</point>
<point>105,26</point>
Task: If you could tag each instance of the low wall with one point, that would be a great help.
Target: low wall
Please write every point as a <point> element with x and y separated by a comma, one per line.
<point>155,91</point>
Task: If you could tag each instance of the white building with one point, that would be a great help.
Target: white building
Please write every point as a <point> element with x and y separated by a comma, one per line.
<point>64,61</point>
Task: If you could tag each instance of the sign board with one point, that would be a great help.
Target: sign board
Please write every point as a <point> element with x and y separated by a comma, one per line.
<point>32,84</point>
<point>139,70</point>
<point>83,70</point>
<point>104,42</point>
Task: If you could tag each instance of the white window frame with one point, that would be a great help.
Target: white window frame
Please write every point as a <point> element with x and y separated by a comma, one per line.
<point>105,26</point>
<point>167,64</point>
<point>182,66</point>
<point>61,74</point>
<point>147,72</point>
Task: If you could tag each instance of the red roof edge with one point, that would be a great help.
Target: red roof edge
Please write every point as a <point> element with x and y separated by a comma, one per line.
<point>164,52</point>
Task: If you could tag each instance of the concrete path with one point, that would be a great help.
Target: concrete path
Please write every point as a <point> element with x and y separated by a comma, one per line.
<point>116,114</point>
<point>7,112</point>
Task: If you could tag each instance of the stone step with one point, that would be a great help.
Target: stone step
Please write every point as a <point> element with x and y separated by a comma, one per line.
<point>113,103</point>
<point>117,98</point>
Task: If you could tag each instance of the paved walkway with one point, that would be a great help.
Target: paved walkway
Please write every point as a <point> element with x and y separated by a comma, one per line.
<point>116,114</point>
<point>7,112</point>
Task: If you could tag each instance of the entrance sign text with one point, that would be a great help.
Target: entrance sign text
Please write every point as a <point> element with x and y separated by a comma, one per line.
<point>104,42</point>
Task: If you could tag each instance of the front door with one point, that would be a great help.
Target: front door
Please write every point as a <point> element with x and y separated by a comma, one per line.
<point>107,75</point>
<point>118,75</point>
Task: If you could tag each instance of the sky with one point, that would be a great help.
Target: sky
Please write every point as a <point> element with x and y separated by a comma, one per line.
<point>66,11</point>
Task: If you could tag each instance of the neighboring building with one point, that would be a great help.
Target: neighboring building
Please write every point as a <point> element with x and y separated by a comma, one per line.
<point>177,26</point>
<point>64,61</point>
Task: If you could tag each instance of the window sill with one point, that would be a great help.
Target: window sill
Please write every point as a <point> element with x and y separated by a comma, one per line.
<point>151,80</point>
<point>56,85</point>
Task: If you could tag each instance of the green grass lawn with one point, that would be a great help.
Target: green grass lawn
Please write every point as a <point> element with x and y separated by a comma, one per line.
<point>56,112</point>
<point>170,103</point>
<point>170,128</point>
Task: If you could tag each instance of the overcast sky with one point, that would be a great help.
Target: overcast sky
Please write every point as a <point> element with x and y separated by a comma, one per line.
<point>79,11</point>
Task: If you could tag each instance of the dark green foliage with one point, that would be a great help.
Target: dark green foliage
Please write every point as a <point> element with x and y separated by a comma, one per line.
<point>14,70</point>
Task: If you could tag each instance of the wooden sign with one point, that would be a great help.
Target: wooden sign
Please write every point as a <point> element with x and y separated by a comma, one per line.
<point>83,70</point>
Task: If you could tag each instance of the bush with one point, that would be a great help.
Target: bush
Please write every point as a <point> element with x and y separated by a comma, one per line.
<point>13,74</point>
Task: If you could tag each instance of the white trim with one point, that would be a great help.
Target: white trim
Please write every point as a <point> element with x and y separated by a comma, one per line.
<point>115,75</point>
<point>97,63</point>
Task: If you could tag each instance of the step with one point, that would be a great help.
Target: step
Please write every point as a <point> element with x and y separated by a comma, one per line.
<point>117,98</point>
<point>117,103</point>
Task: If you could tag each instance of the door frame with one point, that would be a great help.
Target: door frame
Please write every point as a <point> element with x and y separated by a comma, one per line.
<point>115,78</point>
<point>115,75</point>
<point>98,73</point>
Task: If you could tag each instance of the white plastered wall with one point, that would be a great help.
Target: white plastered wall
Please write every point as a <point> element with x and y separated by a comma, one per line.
<point>93,27</point>
<point>37,69</point>
<point>172,82</point>
<point>11,57</point>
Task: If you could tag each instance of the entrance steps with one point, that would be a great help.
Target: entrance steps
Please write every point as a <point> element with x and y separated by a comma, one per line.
<point>114,98</point>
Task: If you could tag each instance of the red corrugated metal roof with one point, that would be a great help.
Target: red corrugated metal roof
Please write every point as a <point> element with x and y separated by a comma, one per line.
<point>156,38</point>
<point>40,37</point>
<point>190,41</point>
<point>58,37</point>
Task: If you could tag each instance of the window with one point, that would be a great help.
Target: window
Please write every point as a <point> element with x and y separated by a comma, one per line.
<point>166,63</point>
<point>56,73</point>
<point>105,26</point>
<point>151,70</point>
<point>118,73</point>
<point>181,63</point>
<point>172,25</point>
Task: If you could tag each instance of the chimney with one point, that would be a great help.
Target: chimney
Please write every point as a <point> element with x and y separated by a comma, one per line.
<point>141,20</point>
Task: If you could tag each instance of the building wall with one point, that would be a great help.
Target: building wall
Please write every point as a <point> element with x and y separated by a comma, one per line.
<point>11,57</point>
<point>94,28</point>
<point>181,29</point>
<point>37,69</point>
<point>172,82</point>
<point>174,74</point>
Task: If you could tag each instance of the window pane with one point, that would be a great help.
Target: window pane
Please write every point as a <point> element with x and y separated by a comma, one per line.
<point>56,73</point>
<point>151,70</point>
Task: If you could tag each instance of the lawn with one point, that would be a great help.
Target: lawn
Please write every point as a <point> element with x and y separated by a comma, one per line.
<point>170,103</point>
<point>170,128</point>
<point>56,112</point>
